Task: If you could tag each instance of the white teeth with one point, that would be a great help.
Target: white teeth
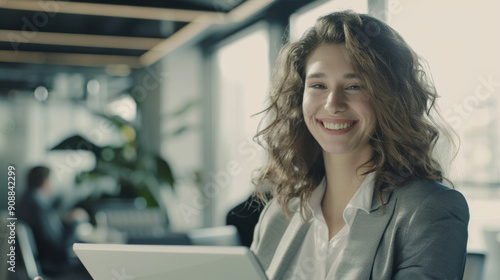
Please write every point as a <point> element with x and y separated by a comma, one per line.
<point>337,126</point>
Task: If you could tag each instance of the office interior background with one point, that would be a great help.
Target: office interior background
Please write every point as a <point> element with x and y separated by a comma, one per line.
<point>153,103</point>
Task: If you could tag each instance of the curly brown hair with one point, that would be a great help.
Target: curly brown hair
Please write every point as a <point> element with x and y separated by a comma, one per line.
<point>402,96</point>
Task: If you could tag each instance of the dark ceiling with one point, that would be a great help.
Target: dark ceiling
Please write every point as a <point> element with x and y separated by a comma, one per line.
<point>123,28</point>
<point>39,38</point>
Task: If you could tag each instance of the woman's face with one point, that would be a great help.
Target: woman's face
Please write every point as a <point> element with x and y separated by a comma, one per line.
<point>336,109</point>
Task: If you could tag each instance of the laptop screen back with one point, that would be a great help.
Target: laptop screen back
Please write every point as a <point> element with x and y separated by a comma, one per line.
<point>159,262</point>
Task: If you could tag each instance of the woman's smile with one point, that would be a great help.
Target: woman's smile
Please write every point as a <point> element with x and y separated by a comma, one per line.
<point>336,127</point>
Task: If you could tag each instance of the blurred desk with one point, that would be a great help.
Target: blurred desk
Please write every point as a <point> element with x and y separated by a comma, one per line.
<point>89,234</point>
<point>484,218</point>
<point>492,240</point>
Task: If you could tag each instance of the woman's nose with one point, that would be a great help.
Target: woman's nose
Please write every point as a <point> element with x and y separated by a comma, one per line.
<point>335,102</point>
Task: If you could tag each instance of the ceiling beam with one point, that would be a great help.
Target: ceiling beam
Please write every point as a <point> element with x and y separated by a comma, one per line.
<point>199,22</point>
<point>94,60</point>
<point>188,32</point>
<point>247,9</point>
<point>109,10</point>
<point>81,40</point>
<point>175,40</point>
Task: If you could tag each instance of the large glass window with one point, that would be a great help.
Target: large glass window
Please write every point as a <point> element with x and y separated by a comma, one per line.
<point>241,90</point>
<point>460,41</point>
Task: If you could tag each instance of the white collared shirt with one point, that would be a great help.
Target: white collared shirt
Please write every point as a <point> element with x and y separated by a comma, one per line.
<point>318,257</point>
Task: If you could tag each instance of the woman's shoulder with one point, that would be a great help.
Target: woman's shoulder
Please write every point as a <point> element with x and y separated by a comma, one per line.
<point>430,193</point>
<point>422,188</point>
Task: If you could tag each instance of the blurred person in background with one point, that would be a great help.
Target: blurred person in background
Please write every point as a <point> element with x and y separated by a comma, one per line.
<point>54,236</point>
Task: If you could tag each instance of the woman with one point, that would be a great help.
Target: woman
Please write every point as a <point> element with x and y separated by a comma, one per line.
<point>357,189</point>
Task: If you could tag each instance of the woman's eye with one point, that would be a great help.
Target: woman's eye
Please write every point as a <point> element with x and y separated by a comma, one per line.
<point>354,87</point>
<point>318,86</point>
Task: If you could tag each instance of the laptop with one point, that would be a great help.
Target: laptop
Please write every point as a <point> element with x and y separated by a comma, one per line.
<point>160,262</point>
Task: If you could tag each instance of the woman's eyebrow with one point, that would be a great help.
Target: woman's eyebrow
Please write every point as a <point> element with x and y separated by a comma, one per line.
<point>322,75</point>
<point>352,76</point>
<point>316,75</point>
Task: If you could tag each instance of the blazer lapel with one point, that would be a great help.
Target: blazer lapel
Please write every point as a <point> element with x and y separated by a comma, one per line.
<point>363,240</point>
<point>287,247</point>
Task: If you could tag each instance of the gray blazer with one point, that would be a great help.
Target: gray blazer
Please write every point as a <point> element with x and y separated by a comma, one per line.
<point>421,234</point>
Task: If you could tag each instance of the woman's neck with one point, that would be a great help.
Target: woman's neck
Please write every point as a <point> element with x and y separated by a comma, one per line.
<point>344,171</point>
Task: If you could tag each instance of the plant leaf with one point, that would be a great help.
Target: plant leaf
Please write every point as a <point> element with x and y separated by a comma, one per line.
<point>185,108</point>
<point>77,142</point>
<point>117,121</point>
<point>164,171</point>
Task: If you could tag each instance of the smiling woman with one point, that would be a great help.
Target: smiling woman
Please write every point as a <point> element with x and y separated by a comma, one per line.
<point>357,191</point>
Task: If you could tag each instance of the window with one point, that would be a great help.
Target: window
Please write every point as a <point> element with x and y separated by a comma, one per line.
<point>241,90</point>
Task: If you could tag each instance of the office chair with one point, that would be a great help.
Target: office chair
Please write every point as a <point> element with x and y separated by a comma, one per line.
<point>29,252</point>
